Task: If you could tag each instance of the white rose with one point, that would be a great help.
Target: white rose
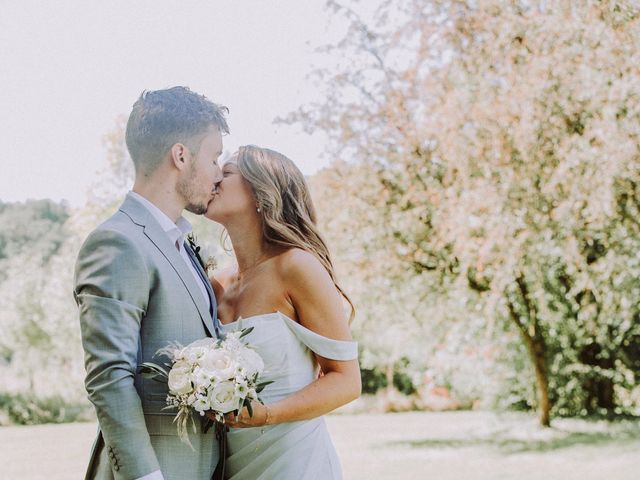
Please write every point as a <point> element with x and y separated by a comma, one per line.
<point>179,381</point>
<point>251,361</point>
<point>219,363</point>
<point>181,365</point>
<point>222,397</point>
<point>193,352</point>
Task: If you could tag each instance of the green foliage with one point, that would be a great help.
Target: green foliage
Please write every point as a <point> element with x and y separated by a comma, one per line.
<point>19,409</point>
<point>402,380</point>
<point>34,228</point>
<point>373,379</point>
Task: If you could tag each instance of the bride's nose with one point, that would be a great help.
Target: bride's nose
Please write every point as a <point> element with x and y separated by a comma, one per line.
<point>219,176</point>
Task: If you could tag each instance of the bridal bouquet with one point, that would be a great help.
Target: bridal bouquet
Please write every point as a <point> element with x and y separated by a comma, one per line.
<point>209,375</point>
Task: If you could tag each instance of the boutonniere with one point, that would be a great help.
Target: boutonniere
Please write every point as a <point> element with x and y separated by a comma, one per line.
<point>204,255</point>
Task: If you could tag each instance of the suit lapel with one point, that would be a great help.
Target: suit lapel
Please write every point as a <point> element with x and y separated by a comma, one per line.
<point>207,283</point>
<point>141,216</point>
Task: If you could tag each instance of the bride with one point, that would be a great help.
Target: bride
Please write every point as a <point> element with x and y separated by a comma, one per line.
<point>283,285</point>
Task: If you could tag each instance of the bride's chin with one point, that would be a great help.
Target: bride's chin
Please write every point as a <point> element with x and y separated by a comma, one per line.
<point>210,214</point>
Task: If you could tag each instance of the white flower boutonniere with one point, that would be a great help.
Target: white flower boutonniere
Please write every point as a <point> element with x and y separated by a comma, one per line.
<point>205,255</point>
<point>208,257</point>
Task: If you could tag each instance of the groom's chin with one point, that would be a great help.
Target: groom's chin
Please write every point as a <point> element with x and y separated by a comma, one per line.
<point>199,209</point>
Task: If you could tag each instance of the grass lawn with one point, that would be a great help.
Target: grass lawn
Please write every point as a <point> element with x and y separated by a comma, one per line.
<point>402,446</point>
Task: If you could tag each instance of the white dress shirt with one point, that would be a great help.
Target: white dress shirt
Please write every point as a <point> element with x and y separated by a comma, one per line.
<point>157,475</point>
<point>176,233</point>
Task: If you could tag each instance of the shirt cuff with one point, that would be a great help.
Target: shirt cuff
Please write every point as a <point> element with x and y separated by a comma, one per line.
<point>157,475</point>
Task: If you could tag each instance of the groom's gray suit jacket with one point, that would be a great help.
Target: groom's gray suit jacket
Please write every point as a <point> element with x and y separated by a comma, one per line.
<point>136,294</point>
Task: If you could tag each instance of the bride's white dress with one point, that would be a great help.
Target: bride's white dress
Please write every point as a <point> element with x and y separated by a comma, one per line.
<point>295,450</point>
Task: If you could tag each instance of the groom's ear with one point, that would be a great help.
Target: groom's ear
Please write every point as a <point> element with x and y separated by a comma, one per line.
<point>179,156</point>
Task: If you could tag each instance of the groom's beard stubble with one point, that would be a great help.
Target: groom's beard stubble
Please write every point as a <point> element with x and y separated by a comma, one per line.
<point>186,191</point>
<point>198,209</point>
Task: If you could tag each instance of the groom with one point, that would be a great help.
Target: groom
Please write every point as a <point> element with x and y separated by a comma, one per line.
<point>139,287</point>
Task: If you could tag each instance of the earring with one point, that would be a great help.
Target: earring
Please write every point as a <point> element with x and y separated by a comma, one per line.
<point>258,209</point>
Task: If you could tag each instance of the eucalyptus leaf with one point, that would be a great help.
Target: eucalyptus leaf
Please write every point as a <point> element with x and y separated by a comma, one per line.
<point>261,386</point>
<point>153,371</point>
<point>246,331</point>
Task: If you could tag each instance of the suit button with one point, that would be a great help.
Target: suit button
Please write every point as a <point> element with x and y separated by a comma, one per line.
<point>116,467</point>
<point>111,454</point>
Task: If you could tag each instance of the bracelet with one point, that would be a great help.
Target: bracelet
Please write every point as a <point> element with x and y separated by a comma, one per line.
<point>267,417</point>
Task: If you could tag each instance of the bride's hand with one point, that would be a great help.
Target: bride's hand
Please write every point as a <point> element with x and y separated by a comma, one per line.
<point>244,420</point>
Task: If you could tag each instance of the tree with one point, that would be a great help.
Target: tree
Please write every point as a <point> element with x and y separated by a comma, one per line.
<point>32,227</point>
<point>40,342</point>
<point>505,135</point>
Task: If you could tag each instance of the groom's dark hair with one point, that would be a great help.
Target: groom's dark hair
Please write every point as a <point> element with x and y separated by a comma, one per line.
<point>161,118</point>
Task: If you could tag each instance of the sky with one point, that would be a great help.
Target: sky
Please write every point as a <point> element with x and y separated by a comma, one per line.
<point>70,68</point>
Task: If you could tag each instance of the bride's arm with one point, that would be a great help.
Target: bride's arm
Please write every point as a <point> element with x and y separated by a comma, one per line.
<point>319,307</point>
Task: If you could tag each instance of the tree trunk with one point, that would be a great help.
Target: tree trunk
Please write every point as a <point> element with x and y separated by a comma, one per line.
<point>389,377</point>
<point>536,347</point>
<point>537,353</point>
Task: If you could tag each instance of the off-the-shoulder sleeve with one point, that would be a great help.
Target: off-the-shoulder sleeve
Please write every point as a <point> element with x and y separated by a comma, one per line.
<point>323,346</point>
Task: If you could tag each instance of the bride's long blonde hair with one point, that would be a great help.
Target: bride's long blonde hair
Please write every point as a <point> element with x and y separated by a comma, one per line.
<point>284,200</point>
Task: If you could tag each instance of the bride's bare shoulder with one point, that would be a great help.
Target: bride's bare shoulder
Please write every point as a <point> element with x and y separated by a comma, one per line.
<point>296,263</point>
